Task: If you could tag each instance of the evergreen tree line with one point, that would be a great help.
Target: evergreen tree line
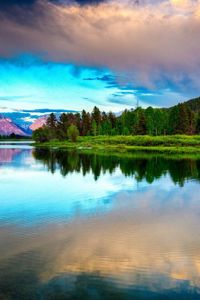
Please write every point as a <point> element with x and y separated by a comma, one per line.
<point>179,119</point>
<point>14,136</point>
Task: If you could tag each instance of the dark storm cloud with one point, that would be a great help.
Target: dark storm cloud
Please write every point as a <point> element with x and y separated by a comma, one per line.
<point>4,3</point>
<point>152,45</point>
<point>10,3</point>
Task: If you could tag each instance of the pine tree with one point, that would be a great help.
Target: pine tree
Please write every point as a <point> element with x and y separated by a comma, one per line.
<point>94,128</point>
<point>51,124</point>
<point>85,128</point>
<point>51,121</point>
<point>191,117</point>
<point>112,119</point>
<point>198,123</point>
<point>62,126</point>
<point>149,113</point>
<point>96,115</point>
<point>140,127</point>
<point>173,120</point>
<point>183,119</point>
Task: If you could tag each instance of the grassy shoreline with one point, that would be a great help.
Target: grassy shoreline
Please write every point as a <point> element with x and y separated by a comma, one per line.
<point>160,144</point>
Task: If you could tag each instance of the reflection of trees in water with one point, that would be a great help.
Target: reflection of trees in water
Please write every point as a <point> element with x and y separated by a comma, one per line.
<point>149,169</point>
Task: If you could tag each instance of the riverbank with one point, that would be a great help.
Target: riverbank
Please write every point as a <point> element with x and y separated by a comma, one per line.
<point>160,144</point>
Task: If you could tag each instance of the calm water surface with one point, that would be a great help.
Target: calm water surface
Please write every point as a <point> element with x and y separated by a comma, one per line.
<point>85,226</point>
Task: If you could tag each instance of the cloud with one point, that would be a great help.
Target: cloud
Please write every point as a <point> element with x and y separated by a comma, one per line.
<point>86,2</point>
<point>124,98</point>
<point>27,3</point>
<point>152,44</point>
<point>15,2</point>
<point>107,78</point>
<point>47,110</point>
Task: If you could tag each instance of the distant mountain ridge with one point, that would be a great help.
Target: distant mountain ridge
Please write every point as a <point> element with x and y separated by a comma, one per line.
<point>28,120</point>
<point>38,123</point>
<point>7,127</point>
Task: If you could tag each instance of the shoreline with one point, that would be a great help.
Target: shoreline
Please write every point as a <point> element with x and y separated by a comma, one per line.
<point>126,144</point>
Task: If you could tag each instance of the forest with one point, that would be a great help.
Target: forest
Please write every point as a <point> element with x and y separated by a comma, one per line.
<point>183,118</point>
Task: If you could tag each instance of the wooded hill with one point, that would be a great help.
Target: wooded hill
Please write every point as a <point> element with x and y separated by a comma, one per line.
<point>194,104</point>
<point>183,118</point>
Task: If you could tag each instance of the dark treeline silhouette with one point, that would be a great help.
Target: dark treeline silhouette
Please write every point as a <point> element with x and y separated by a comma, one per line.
<point>13,136</point>
<point>150,169</point>
<point>183,118</point>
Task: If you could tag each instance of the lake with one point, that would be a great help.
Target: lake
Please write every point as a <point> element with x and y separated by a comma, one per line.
<point>95,226</point>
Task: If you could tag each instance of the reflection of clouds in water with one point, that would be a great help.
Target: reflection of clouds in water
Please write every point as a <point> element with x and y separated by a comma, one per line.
<point>43,195</point>
<point>145,235</point>
<point>116,229</point>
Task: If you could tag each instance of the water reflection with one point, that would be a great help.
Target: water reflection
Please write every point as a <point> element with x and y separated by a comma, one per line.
<point>64,235</point>
<point>148,167</point>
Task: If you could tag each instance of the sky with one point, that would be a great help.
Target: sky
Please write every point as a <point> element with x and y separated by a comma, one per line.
<point>73,55</point>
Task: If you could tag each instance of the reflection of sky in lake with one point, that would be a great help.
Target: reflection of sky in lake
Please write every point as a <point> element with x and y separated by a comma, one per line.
<point>115,234</point>
<point>33,194</point>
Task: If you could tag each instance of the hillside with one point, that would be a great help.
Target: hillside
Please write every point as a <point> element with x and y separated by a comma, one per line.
<point>194,104</point>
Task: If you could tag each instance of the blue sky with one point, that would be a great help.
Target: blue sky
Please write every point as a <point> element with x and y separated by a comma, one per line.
<point>30,83</point>
<point>77,54</point>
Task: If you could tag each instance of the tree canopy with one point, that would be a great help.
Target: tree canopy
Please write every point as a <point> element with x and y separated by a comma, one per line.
<point>183,118</point>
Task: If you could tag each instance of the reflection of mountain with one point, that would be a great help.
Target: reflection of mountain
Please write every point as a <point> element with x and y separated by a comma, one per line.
<point>13,155</point>
<point>7,155</point>
<point>150,168</point>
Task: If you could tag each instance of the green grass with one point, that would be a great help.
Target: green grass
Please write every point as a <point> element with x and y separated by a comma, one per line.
<point>159,144</point>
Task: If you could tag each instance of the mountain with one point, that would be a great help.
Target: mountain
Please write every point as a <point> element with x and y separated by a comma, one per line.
<point>7,127</point>
<point>41,121</point>
<point>38,123</point>
<point>29,120</point>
